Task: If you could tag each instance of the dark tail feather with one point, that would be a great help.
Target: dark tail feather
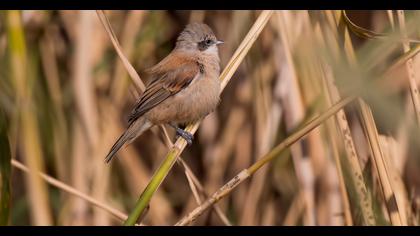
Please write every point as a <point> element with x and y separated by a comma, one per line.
<point>120,142</point>
<point>134,130</point>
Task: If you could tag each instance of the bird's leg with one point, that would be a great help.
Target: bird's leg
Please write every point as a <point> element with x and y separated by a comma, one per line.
<point>184,134</point>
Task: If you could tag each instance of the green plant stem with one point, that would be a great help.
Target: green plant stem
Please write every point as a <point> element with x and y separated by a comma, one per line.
<point>151,188</point>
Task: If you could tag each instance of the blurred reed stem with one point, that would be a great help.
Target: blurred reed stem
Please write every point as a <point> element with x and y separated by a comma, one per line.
<point>275,152</point>
<point>32,152</point>
<point>364,198</point>
<point>372,134</point>
<point>414,91</point>
<point>67,188</point>
<point>295,112</point>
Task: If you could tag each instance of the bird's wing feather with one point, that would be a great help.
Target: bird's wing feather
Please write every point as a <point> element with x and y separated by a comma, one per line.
<point>170,77</point>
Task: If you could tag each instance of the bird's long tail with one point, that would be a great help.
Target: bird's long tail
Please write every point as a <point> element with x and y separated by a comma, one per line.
<point>120,142</point>
<point>132,132</point>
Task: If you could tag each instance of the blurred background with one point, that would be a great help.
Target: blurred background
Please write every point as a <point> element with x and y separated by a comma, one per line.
<point>65,97</point>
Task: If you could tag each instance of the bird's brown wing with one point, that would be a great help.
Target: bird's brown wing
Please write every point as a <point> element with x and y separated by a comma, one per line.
<point>170,77</point>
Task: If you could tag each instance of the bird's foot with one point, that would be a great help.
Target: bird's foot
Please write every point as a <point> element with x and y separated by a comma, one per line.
<point>185,135</point>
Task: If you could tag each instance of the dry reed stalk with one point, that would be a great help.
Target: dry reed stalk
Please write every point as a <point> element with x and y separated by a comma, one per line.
<point>223,148</point>
<point>196,184</point>
<point>338,208</point>
<point>243,158</point>
<point>331,126</point>
<point>130,69</point>
<point>402,151</point>
<point>246,173</point>
<point>379,163</point>
<point>271,130</point>
<point>50,68</point>
<point>266,128</point>
<point>269,214</point>
<point>101,173</point>
<point>48,56</point>
<point>389,146</point>
<point>180,144</point>
<point>333,133</point>
<point>79,176</point>
<point>310,90</point>
<point>193,188</point>
<point>372,135</point>
<point>333,96</point>
<point>86,104</point>
<point>191,179</point>
<point>329,201</point>
<point>221,152</point>
<point>239,23</point>
<point>83,83</point>
<point>32,152</point>
<point>197,16</point>
<point>67,188</point>
<point>402,60</point>
<point>132,26</point>
<point>243,150</point>
<point>295,114</point>
<point>390,18</point>
<point>409,67</point>
<point>402,144</point>
<point>295,210</point>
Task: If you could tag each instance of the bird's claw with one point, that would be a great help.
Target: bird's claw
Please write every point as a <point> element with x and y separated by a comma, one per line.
<point>185,135</point>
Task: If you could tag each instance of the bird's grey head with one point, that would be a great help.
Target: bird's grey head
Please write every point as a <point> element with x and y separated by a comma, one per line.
<point>198,37</point>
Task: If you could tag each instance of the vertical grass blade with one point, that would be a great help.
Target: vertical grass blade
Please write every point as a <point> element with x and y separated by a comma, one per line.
<point>343,127</point>
<point>371,133</point>
<point>30,138</point>
<point>410,68</point>
<point>5,166</point>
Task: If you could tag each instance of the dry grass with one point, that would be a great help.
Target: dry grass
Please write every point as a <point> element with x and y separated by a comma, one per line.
<point>70,76</point>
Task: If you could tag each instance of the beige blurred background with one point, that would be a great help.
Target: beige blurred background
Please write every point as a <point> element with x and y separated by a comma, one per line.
<point>66,95</point>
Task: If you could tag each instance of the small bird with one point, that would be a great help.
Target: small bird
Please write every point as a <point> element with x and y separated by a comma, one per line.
<point>184,87</point>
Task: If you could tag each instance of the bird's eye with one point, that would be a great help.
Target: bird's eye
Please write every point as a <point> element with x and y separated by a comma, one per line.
<point>208,41</point>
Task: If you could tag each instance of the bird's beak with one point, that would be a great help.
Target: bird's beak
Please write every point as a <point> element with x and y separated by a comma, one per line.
<point>219,42</point>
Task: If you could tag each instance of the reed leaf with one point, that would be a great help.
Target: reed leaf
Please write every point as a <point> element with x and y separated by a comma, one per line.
<point>364,198</point>
<point>372,136</point>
